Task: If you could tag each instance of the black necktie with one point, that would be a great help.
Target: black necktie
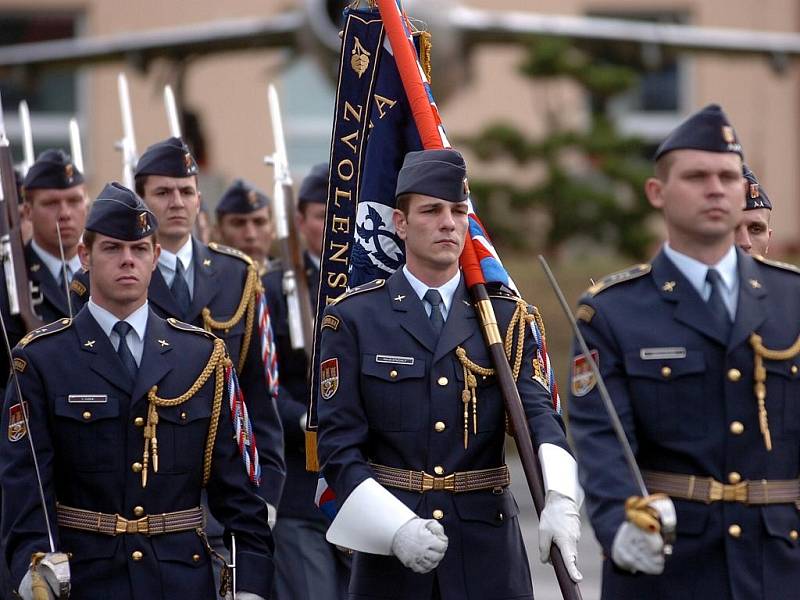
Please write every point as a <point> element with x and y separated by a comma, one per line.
<point>717,305</point>
<point>180,289</point>
<point>434,298</point>
<point>125,355</point>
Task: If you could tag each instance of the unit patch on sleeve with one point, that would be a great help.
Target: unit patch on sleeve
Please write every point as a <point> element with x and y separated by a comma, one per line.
<point>328,378</point>
<point>330,322</point>
<point>583,379</point>
<point>16,423</point>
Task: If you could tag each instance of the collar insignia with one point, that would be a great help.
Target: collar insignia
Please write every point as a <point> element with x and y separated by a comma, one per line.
<point>399,298</point>
<point>163,343</point>
<point>89,343</point>
<point>668,286</point>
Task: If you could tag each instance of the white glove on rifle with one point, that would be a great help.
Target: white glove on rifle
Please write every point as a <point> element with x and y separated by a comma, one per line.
<point>420,544</point>
<point>560,524</point>
<point>636,550</point>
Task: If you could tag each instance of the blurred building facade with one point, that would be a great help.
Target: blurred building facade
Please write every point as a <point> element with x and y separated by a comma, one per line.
<point>224,96</point>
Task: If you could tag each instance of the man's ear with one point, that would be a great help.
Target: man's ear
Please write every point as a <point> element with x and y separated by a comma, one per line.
<point>400,223</point>
<point>85,255</point>
<point>653,188</point>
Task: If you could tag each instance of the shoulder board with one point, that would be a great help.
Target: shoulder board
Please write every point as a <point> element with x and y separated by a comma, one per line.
<point>498,290</point>
<point>777,264</point>
<point>221,249</point>
<point>190,328</point>
<point>78,287</point>
<point>618,277</point>
<point>359,289</point>
<point>48,329</point>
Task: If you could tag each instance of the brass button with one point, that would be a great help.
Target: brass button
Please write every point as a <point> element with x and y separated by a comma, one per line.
<point>136,467</point>
<point>393,374</point>
<point>734,531</point>
<point>439,426</point>
<point>442,381</point>
<point>137,555</point>
<point>500,516</point>
<point>734,477</point>
<point>438,514</point>
<point>87,415</point>
<point>737,428</point>
<point>196,557</point>
<point>183,416</point>
<point>666,372</point>
<point>793,369</point>
<point>793,535</point>
<point>438,469</point>
<point>734,374</point>
<point>139,422</point>
<point>138,511</point>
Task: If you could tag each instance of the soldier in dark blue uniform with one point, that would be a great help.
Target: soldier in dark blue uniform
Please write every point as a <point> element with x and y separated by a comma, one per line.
<point>244,222</point>
<point>753,232</point>
<point>412,421</point>
<point>53,192</point>
<point>130,415</point>
<point>699,351</point>
<point>214,287</point>
<point>306,565</point>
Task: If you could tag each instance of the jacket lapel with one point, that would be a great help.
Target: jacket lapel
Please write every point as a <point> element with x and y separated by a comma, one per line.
<point>750,310</point>
<point>41,276</point>
<point>460,323</point>
<point>105,361</point>
<point>154,364</point>
<point>205,286</point>
<point>690,309</point>
<point>409,310</point>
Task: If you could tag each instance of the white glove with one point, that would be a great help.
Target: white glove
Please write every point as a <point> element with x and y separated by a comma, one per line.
<point>272,516</point>
<point>420,544</point>
<point>244,596</point>
<point>560,524</point>
<point>637,550</point>
<point>25,591</point>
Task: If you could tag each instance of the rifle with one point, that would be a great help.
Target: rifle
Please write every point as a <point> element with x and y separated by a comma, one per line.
<point>127,145</point>
<point>75,147</point>
<point>22,295</point>
<point>172,112</point>
<point>27,137</point>
<point>295,283</point>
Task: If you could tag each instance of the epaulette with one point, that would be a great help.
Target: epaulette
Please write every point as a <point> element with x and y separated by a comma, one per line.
<point>360,289</point>
<point>77,287</point>
<point>777,264</point>
<point>501,291</point>
<point>222,249</point>
<point>618,277</point>
<point>48,329</point>
<point>190,328</point>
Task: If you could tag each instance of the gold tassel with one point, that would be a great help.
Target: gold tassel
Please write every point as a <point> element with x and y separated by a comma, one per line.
<point>312,458</point>
<point>425,53</point>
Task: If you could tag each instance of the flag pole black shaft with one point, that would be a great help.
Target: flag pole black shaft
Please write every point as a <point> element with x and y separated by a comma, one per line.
<point>519,426</point>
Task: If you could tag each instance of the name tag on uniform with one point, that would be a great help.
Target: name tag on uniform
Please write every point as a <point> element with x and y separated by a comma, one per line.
<point>87,398</point>
<point>662,353</point>
<point>394,360</point>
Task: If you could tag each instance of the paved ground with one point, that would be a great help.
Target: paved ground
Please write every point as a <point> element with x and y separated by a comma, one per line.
<point>545,586</point>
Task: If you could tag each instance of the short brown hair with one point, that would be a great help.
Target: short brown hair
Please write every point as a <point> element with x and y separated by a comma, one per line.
<point>403,202</point>
<point>664,165</point>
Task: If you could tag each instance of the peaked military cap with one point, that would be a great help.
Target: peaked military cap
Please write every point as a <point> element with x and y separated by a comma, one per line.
<point>171,158</point>
<point>314,188</point>
<point>119,213</point>
<point>53,169</point>
<point>241,198</point>
<point>438,173</point>
<point>708,129</point>
<point>755,195</point>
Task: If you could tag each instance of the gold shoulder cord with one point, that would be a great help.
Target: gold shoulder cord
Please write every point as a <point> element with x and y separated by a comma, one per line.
<point>760,352</point>
<point>252,287</point>
<point>519,322</point>
<point>216,364</point>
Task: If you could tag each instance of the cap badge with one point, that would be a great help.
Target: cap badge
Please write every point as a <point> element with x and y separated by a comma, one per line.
<point>69,172</point>
<point>143,224</point>
<point>252,198</point>
<point>466,186</point>
<point>728,135</point>
<point>188,163</point>
<point>754,191</point>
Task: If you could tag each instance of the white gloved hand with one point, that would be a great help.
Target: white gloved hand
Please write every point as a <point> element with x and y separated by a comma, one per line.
<point>272,516</point>
<point>560,524</point>
<point>244,596</point>
<point>420,544</point>
<point>636,550</point>
<point>25,591</point>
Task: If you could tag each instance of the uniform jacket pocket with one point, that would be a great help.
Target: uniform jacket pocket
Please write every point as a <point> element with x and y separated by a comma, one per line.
<point>394,391</point>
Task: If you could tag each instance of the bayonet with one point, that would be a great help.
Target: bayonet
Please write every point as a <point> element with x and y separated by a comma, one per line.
<point>127,145</point>
<point>172,112</point>
<point>75,147</point>
<point>27,137</point>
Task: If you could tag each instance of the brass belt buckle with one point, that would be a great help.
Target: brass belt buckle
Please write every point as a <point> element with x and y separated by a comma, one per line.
<point>727,493</point>
<point>429,482</point>
<point>124,525</point>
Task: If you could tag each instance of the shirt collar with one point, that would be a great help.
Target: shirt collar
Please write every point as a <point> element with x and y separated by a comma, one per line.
<point>137,319</point>
<point>696,271</point>
<point>168,259</point>
<point>53,263</point>
<point>447,290</point>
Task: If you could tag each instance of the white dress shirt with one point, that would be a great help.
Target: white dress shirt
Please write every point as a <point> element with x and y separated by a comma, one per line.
<point>696,271</point>
<point>137,320</point>
<point>53,263</point>
<point>167,264</point>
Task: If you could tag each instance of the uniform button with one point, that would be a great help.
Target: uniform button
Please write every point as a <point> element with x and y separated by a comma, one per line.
<point>793,369</point>
<point>439,426</point>
<point>442,381</point>
<point>734,531</point>
<point>793,535</point>
<point>393,374</point>
<point>438,514</point>
<point>438,469</point>
<point>87,415</point>
<point>183,416</point>
<point>666,372</point>
<point>136,467</point>
<point>139,422</point>
<point>737,428</point>
<point>137,555</point>
<point>196,557</point>
<point>500,516</point>
<point>734,477</point>
<point>734,374</point>
<point>138,511</point>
